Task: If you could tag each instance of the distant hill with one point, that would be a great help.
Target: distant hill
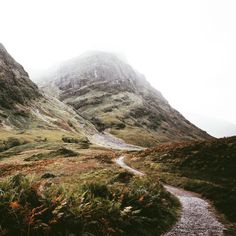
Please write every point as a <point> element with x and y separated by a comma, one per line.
<point>116,98</point>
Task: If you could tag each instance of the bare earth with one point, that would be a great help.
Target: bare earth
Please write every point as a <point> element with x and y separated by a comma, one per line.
<point>196,217</point>
<point>109,141</point>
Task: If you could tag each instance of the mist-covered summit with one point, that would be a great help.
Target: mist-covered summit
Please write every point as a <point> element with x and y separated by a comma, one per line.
<point>100,68</point>
<point>118,99</point>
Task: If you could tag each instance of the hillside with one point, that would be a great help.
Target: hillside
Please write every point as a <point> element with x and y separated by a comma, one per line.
<point>57,171</point>
<point>118,99</point>
<point>28,114</point>
<point>207,167</point>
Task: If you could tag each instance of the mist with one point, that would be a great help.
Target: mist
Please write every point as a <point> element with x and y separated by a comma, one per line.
<point>185,49</point>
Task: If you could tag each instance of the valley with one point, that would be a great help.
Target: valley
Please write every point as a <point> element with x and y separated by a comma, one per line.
<point>94,149</point>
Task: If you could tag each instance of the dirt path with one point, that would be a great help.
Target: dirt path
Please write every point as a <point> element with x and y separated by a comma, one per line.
<point>196,217</point>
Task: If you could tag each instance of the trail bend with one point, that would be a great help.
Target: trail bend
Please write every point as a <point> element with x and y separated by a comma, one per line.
<point>196,218</point>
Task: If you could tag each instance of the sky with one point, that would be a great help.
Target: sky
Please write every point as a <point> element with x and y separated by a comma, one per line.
<point>185,48</point>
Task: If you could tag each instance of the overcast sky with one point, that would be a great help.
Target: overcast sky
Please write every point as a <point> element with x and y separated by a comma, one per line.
<point>186,49</point>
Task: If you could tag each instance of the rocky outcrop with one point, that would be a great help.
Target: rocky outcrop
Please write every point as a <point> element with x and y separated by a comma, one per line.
<point>15,85</point>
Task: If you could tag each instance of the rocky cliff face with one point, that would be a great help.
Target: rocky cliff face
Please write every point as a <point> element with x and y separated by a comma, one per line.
<point>15,85</point>
<point>116,98</point>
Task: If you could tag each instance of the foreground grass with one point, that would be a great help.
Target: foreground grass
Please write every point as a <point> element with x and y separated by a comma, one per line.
<point>108,206</point>
<point>62,188</point>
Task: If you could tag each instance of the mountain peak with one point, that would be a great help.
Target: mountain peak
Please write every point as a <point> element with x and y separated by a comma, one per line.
<point>100,60</point>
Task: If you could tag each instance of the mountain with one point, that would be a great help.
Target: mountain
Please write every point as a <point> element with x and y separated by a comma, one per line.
<point>28,113</point>
<point>117,99</point>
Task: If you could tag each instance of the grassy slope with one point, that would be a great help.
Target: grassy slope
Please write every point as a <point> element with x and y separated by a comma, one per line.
<point>205,167</point>
<point>84,193</point>
<point>128,116</point>
<point>113,112</point>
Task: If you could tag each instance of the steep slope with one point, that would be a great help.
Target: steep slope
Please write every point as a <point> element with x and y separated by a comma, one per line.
<point>116,98</point>
<point>25,111</point>
<point>15,85</point>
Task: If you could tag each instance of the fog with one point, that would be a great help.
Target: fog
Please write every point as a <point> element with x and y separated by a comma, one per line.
<point>186,49</point>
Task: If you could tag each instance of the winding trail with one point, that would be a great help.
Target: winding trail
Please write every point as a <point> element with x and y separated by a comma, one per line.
<point>196,217</point>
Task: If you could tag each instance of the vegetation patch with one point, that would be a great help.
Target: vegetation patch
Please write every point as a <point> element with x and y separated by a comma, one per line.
<point>83,142</point>
<point>104,158</point>
<point>11,142</point>
<point>61,152</point>
<point>47,176</point>
<point>123,177</point>
<point>141,207</point>
<point>40,139</point>
<point>205,167</point>
<point>99,124</point>
<point>66,139</point>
